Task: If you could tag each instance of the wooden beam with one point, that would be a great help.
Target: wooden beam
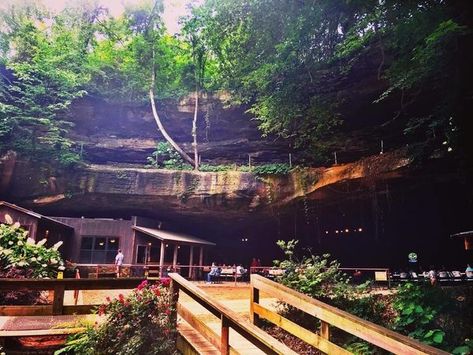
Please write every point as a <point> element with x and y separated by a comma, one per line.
<point>58,302</point>
<point>309,337</point>
<point>191,260</point>
<point>161,259</point>
<point>40,332</point>
<point>373,333</point>
<point>254,299</point>
<point>224,336</point>
<point>174,259</point>
<point>252,333</point>
<point>71,284</point>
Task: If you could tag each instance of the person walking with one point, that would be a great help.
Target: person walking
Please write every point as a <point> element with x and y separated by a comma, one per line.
<point>119,262</point>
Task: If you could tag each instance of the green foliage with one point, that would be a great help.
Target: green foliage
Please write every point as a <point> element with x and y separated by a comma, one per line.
<point>165,156</point>
<point>288,60</point>
<point>43,75</point>
<point>23,253</point>
<point>271,169</point>
<point>465,349</point>
<point>316,276</point>
<point>429,314</point>
<point>141,323</point>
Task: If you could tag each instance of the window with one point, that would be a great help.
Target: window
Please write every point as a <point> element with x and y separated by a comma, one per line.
<point>98,250</point>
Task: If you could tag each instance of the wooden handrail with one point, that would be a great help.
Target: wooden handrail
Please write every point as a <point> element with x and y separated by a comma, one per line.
<point>332,316</point>
<point>59,286</point>
<point>229,319</point>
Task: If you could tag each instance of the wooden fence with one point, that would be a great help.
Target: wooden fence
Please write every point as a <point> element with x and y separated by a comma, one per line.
<point>329,316</point>
<point>59,287</point>
<point>229,319</point>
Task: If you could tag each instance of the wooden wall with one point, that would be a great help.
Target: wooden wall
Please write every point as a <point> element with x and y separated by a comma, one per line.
<point>101,227</point>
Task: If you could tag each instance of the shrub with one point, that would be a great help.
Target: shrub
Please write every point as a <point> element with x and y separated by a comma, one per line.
<point>23,253</point>
<point>314,275</point>
<point>165,156</point>
<point>141,323</point>
<point>271,169</point>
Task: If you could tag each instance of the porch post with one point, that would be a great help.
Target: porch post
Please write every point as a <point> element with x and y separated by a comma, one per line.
<point>161,259</point>
<point>201,257</point>
<point>201,262</point>
<point>191,261</point>
<point>174,259</point>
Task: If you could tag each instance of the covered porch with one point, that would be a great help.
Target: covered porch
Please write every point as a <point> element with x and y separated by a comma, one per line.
<point>176,251</point>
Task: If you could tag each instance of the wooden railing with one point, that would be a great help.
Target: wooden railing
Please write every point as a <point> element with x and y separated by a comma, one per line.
<point>329,316</point>
<point>59,287</point>
<point>229,319</point>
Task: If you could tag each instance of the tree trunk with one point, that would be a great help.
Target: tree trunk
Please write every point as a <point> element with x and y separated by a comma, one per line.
<point>194,129</point>
<point>160,125</point>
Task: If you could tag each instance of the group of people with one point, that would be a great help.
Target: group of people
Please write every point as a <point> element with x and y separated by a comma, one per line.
<point>215,271</point>
<point>433,274</point>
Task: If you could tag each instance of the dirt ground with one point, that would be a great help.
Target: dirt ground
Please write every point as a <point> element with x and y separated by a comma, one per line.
<point>225,291</point>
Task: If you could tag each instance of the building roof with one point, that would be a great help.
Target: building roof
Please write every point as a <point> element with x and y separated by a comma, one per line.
<point>172,237</point>
<point>462,234</point>
<point>34,214</point>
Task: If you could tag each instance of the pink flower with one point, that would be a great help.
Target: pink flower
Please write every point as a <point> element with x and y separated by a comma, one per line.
<point>102,309</point>
<point>108,299</point>
<point>142,285</point>
<point>121,298</point>
<point>165,281</point>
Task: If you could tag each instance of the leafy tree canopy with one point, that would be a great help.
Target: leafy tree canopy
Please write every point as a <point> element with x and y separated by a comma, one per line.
<point>289,59</point>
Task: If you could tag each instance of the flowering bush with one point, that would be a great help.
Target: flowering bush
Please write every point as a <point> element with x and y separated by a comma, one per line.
<point>143,322</point>
<point>20,252</point>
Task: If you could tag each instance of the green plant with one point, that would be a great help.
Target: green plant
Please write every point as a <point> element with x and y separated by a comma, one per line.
<point>465,349</point>
<point>142,323</point>
<point>417,307</point>
<point>314,275</point>
<point>184,196</point>
<point>19,251</point>
<point>165,156</point>
<point>271,169</point>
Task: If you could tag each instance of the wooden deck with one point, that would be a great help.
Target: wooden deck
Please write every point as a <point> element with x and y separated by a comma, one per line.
<point>236,298</point>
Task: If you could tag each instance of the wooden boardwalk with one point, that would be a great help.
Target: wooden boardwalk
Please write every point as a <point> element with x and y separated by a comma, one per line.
<point>235,298</point>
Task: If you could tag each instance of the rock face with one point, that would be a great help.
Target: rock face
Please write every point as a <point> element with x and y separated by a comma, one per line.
<point>127,133</point>
<point>98,190</point>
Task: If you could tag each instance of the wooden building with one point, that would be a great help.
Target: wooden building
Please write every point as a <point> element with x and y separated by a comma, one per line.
<point>38,226</point>
<point>142,241</point>
<point>97,240</point>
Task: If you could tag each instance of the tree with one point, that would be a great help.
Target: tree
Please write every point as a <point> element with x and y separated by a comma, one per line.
<point>289,60</point>
<point>43,73</point>
<point>199,52</point>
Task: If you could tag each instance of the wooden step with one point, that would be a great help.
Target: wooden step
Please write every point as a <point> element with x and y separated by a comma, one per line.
<point>192,342</point>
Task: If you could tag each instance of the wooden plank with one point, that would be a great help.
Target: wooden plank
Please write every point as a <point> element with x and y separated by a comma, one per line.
<point>39,332</point>
<point>40,310</point>
<point>71,284</point>
<point>191,342</point>
<point>373,333</point>
<point>58,302</point>
<point>324,330</point>
<point>211,336</point>
<point>45,310</point>
<point>309,337</point>
<point>254,298</point>
<point>252,333</point>
<point>224,336</point>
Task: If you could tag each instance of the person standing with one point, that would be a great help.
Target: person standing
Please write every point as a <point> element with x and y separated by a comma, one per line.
<point>433,276</point>
<point>469,271</point>
<point>119,262</point>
